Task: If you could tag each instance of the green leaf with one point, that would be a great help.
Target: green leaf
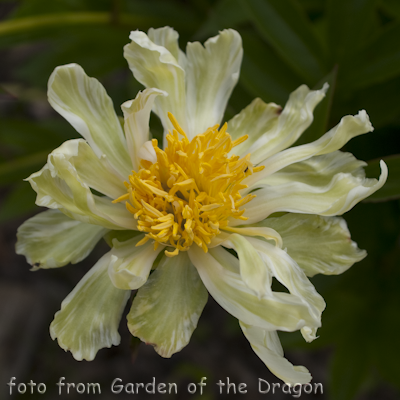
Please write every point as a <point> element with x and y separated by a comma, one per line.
<point>21,167</point>
<point>264,74</point>
<point>19,201</point>
<point>36,7</point>
<point>391,189</point>
<point>322,112</point>
<point>290,34</point>
<point>225,13</point>
<point>42,26</point>
<point>392,7</point>
<point>350,26</point>
<point>379,61</point>
<point>381,101</point>
<point>23,137</point>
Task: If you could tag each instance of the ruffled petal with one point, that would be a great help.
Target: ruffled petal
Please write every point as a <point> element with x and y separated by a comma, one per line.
<point>137,115</point>
<point>211,74</point>
<point>295,118</point>
<point>51,239</point>
<point>256,120</point>
<point>341,194</point>
<point>59,186</point>
<point>289,274</point>
<point>131,265</point>
<point>168,38</point>
<point>84,103</point>
<point>253,270</point>
<point>166,309</point>
<point>93,171</point>
<point>317,170</point>
<point>265,232</point>
<point>320,245</point>
<point>267,346</point>
<point>154,66</point>
<point>90,314</point>
<point>349,127</point>
<point>220,273</point>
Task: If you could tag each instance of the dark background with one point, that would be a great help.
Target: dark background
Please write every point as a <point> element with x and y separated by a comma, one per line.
<point>352,44</point>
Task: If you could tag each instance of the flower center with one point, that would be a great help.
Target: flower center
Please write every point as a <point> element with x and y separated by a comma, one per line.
<point>190,192</point>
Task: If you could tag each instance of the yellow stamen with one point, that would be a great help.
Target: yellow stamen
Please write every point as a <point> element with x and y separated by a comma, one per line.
<point>171,253</point>
<point>143,241</point>
<point>240,140</point>
<point>121,198</point>
<point>191,191</point>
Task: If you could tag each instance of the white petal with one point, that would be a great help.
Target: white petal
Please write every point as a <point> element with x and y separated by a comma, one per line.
<point>317,170</point>
<point>131,265</point>
<point>349,127</point>
<point>219,271</point>
<point>90,314</point>
<point>262,231</point>
<point>147,152</point>
<point>137,115</point>
<point>166,309</point>
<point>295,118</point>
<point>84,103</point>
<point>256,120</point>
<point>51,239</point>
<point>168,38</point>
<point>59,186</point>
<point>320,245</point>
<point>268,347</point>
<point>212,73</point>
<point>154,66</point>
<point>93,171</point>
<point>342,193</point>
<point>253,270</point>
<point>289,274</point>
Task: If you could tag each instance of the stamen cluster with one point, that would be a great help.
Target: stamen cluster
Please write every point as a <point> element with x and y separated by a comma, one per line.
<point>191,191</point>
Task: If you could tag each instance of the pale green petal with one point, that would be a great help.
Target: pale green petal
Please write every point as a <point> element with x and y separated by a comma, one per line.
<point>168,38</point>
<point>262,231</point>
<point>219,272</point>
<point>51,239</point>
<point>349,127</point>
<point>84,103</point>
<point>268,347</point>
<point>295,118</point>
<point>166,309</point>
<point>90,314</point>
<point>59,186</point>
<point>94,171</point>
<point>256,120</point>
<point>155,66</point>
<point>137,115</point>
<point>320,245</point>
<point>342,193</point>
<point>253,270</point>
<point>289,274</point>
<point>212,73</point>
<point>131,265</point>
<point>317,170</point>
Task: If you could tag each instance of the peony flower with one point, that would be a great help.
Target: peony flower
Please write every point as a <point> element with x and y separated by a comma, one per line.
<point>177,209</point>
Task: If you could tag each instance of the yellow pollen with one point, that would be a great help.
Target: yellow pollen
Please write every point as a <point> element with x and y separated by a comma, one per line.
<point>191,191</point>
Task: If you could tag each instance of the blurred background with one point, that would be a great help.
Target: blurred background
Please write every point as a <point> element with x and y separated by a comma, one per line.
<point>352,44</point>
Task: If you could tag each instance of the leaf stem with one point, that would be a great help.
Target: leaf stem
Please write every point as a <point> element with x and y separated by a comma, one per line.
<point>19,25</point>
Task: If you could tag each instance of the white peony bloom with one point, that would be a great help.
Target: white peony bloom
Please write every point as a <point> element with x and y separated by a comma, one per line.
<point>208,189</point>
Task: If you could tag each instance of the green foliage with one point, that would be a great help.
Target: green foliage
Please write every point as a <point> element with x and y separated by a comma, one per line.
<point>351,44</point>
